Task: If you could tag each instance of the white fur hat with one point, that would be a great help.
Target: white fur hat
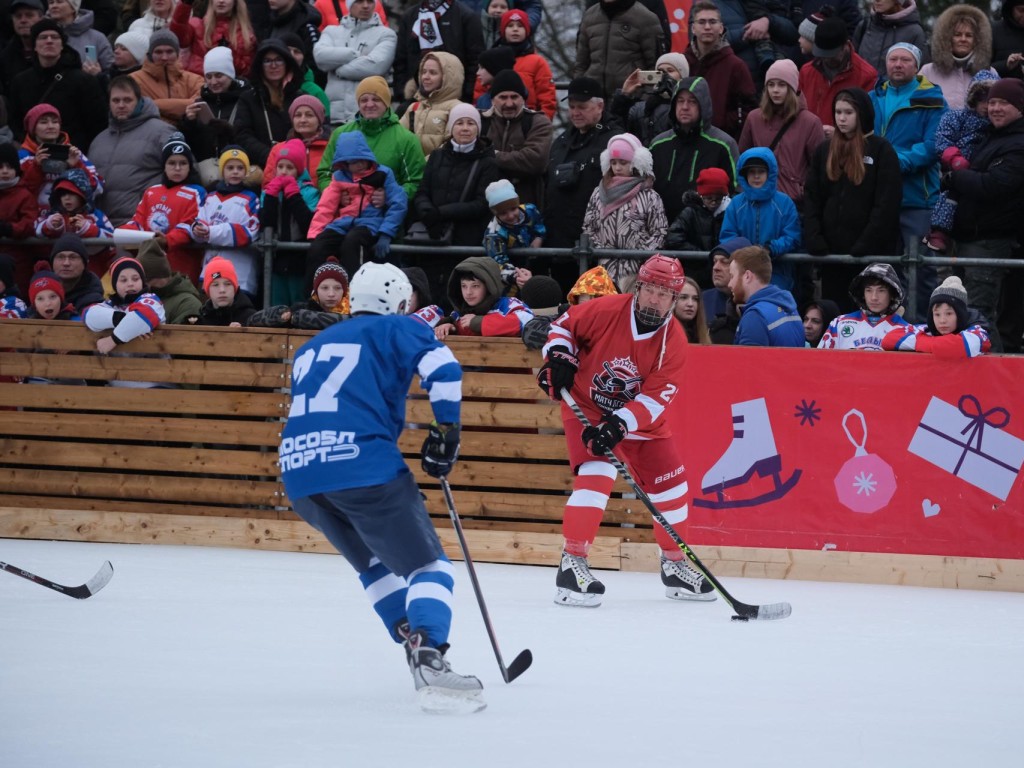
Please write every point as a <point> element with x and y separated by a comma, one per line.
<point>640,158</point>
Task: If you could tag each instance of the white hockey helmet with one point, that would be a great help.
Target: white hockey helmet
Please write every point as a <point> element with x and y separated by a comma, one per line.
<point>382,289</point>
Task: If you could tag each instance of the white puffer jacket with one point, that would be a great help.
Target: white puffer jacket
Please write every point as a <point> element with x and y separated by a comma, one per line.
<point>348,52</point>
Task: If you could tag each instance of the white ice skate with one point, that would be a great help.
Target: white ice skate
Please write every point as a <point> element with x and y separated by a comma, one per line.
<point>440,690</point>
<point>752,450</point>
<point>576,584</point>
<point>685,583</point>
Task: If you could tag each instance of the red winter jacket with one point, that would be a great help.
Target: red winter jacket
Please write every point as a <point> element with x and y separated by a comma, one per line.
<point>733,94</point>
<point>190,33</point>
<point>18,207</point>
<point>820,93</point>
<point>540,85</point>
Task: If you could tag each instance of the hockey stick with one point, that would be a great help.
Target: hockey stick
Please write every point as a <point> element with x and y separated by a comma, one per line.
<point>521,662</point>
<point>744,612</point>
<point>90,588</point>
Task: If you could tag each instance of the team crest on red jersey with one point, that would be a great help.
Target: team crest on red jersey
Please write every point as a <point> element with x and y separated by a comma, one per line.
<point>616,384</point>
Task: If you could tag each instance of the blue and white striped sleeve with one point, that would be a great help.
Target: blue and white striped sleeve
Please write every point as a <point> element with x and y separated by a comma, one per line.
<point>441,375</point>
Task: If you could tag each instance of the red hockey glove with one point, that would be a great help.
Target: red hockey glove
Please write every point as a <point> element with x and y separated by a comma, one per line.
<point>605,436</point>
<point>558,372</point>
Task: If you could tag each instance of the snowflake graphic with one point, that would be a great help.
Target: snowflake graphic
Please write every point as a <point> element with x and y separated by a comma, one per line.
<point>807,412</point>
<point>865,483</point>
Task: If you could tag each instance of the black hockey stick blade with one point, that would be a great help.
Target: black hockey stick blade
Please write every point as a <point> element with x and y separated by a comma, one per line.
<point>519,664</point>
<point>90,588</point>
<point>744,612</point>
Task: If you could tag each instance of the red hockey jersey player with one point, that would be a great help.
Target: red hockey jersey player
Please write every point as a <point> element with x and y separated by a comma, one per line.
<point>621,358</point>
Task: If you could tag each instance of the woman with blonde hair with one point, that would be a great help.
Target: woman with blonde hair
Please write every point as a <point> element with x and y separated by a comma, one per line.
<point>225,23</point>
<point>440,84</point>
<point>689,311</point>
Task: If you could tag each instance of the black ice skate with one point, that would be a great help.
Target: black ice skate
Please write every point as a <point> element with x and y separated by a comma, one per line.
<point>684,583</point>
<point>440,690</point>
<point>576,584</point>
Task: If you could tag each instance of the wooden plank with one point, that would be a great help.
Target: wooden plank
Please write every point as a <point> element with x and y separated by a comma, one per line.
<point>493,352</point>
<point>168,429</point>
<point>495,386</point>
<point>493,415</point>
<point>110,485</point>
<point>523,548</point>
<point>508,445</point>
<point>145,507</point>
<point>626,535</point>
<point>521,506</point>
<point>130,400</point>
<point>223,373</point>
<point>848,567</point>
<point>198,341</point>
<point>116,457</point>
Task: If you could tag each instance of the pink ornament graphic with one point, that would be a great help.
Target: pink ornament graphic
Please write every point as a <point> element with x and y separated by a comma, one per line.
<point>866,482</point>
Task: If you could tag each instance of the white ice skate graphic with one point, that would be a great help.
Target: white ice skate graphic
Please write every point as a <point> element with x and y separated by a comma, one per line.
<point>752,450</point>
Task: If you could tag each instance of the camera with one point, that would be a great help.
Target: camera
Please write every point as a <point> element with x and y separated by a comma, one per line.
<point>650,76</point>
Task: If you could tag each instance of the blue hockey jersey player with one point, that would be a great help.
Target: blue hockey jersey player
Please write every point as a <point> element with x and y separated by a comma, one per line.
<point>344,473</point>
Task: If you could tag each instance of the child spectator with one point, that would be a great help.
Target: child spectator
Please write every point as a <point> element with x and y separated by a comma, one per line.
<point>953,329</point>
<point>227,306</point>
<point>179,296</point>
<point>490,20</point>
<point>763,215</point>
<point>46,296</point>
<point>346,221</point>
<point>698,225</point>
<point>289,199</point>
<point>420,288</point>
<point>129,312</point>
<point>327,305</point>
<point>47,152</point>
<point>481,309</point>
<point>878,293</point>
<point>71,210</point>
<point>17,204</point>
<point>170,208</point>
<point>440,83</point>
<point>529,65</point>
<point>959,132</point>
<point>513,225</point>
<point>11,305</point>
<point>492,61</point>
<point>592,284</point>
<point>229,220</point>
<point>624,211</point>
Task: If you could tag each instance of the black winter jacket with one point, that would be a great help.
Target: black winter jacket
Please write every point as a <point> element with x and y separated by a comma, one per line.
<point>462,35</point>
<point>240,311</point>
<point>991,190</point>
<point>208,141</point>
<point>260,124</point>
<point>444,179</point>
<point>695,228</point>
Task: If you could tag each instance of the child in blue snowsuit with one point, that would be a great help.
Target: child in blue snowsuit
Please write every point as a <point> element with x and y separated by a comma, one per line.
<point>762,214</point>
<point>960,131</point>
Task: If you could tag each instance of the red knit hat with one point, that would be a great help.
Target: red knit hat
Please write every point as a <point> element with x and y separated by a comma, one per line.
<point>216,267</point>
<point>330,269</point>
<point>44,279</point>
<point>515,15</point>
<point>36,113</point>
<point>713,181</point>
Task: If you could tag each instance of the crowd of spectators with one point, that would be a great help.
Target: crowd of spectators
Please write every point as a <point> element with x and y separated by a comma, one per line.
<point>194,125</point>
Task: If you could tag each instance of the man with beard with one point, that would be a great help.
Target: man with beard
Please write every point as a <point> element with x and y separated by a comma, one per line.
<point>521,137</point>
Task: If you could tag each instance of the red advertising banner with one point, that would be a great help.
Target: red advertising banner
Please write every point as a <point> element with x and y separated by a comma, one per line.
<point>855,451</point>
<point>679,23</point>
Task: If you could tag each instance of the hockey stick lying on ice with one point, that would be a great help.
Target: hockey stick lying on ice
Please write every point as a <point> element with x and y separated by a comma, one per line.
<point>520,663</point>
<point>90,588</point>
<point>744,612</point>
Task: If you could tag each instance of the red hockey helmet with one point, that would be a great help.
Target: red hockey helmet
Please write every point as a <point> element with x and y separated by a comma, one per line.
<point>663,272</point>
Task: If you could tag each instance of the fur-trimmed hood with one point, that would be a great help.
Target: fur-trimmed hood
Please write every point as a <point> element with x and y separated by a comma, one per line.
<point>942,40</point>
<point>643,162</point>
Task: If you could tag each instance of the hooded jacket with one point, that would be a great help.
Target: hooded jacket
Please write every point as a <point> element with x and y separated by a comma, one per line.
<point>908,117</point>
<point>769,319</point>
<point>427,116</point>
<point>864,219</point>
<point>180,298</point>
<point>964,128</point>
<point>191,34</point>
<point>94,222</point>
<point>128,156</point>
<point>945,70</point>
<point>820,92</point>
<point>392,145</point>
<point>876,34</point>
<point>260,123</point>
<point>359,212</point>
<point>80,33</point>
<point>793,150</point>
<point>496,315</point>
<point>682,153</point>
<point>349,52</point>
<point>1007,38</point>
<point>610,44</point>
<point>169,87</point>
<point>765,217</point>
<point>733,94</point>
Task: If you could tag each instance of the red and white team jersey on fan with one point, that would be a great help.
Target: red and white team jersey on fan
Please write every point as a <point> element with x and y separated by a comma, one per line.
<point>857,330</point>
<point>635,375</point>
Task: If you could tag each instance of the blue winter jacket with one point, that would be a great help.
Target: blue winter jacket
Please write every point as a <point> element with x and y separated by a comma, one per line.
<point>769,319</point>
<point>908,117</point>
<point>387,220</point>
<point>765,217</point>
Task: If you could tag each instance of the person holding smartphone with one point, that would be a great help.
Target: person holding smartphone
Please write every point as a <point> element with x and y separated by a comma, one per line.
<point>92,46</point>
<point>47,152</point>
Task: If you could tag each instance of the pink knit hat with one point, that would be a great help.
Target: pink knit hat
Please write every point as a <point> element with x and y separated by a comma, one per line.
<point>786,71</point>
<point>295,151</point>
<point>305,100</point>
<point>622,147</point>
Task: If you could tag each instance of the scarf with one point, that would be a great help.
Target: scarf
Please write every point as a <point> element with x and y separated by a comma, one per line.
<point>11,183</point>
<point>427,27</point>
<point>463,149</point>
<point>619,191</point>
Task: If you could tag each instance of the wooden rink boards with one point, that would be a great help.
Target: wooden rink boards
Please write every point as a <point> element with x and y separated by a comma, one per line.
<point>196,464</point>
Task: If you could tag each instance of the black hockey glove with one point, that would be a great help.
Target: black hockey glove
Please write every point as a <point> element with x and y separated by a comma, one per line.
<point>558,372</point>
<point>440,449</point>
<point>605,436</point>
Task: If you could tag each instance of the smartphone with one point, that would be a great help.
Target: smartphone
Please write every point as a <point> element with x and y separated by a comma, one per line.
<point>90,53</point>
<point>650,76</point>
<point>57,151</point>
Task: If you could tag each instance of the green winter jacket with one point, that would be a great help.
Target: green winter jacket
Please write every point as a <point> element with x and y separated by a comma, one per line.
<point>180,298</point>
<point>392,145</point>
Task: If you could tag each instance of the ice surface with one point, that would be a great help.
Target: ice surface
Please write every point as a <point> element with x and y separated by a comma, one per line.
<point>195,657</point>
